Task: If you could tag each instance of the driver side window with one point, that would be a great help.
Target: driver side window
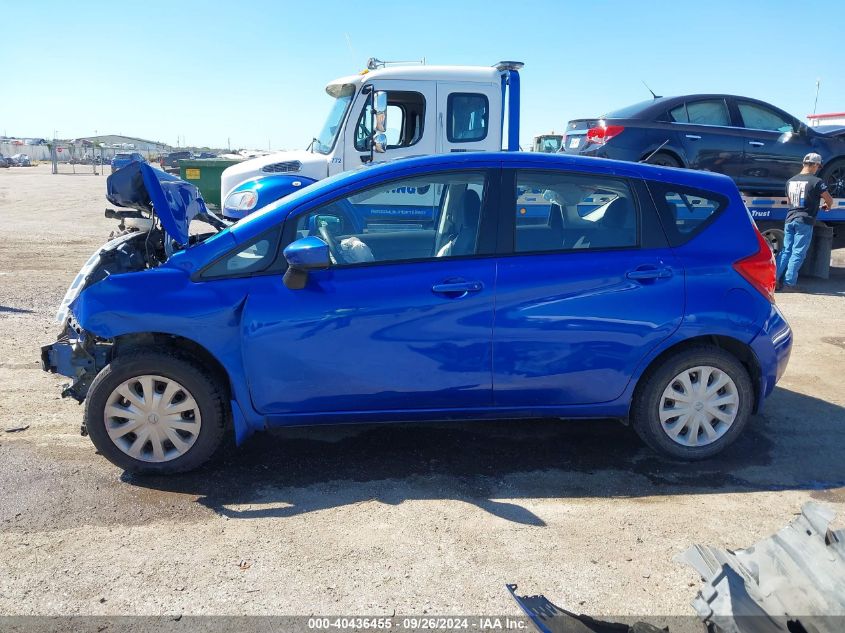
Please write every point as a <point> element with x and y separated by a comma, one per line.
<point>405,116</point>
<point>428,217</point>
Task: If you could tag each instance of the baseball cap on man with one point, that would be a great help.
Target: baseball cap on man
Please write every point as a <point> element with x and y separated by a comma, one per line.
<point>812,159</point>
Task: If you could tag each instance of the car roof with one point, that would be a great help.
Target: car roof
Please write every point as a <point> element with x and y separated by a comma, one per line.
<point>344,182</point>
<point>659,105</point>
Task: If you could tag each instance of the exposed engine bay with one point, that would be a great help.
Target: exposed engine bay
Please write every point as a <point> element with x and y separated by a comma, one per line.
<point>155,223</point>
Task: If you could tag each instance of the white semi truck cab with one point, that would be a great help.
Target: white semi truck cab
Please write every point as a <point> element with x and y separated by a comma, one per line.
<point>384,113</point>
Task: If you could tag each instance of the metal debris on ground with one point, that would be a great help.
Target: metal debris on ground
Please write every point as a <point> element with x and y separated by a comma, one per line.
<point>791,581</point>
<point>17,429</point>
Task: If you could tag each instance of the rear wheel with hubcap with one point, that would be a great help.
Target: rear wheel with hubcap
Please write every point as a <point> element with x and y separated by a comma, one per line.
<point>694,404</point>
<point>155,413</point>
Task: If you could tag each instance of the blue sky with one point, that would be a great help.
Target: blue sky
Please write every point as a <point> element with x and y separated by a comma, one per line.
<point>255,71</point>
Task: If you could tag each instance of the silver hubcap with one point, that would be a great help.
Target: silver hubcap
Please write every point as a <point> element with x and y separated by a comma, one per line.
<point>698,406</point>
<point>152,418</point>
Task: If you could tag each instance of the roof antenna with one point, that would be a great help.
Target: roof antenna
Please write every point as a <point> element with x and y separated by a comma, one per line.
<point>650,90</point>
<point>818,85</point>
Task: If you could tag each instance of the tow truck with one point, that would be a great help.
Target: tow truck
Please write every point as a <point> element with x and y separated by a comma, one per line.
<point>383,113</point>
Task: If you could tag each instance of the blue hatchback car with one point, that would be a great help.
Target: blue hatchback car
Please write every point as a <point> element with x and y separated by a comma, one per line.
<point>643,293</point>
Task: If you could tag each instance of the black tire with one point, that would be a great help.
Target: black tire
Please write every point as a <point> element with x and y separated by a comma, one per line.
<point>645,408</point>
<point>663,159</point>
<point>834,177</point>
<point>774,237</point>
<point>209,394</point>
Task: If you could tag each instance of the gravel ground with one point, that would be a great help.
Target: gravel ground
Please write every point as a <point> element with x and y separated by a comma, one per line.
<point>411,519</point>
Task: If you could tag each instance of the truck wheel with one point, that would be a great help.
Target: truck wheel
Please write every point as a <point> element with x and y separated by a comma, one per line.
<point>664,159</point>
<point>834,177</point>
<point>155,413</point>
<point>775,239</point>
<point>694,404</point>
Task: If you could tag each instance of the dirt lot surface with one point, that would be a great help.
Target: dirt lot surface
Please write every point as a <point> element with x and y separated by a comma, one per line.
<point>410,519</point>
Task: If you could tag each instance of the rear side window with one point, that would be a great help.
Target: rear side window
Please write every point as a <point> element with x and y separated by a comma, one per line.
<point>685,212</point>
<point>708,112</point>
<point>467,117</point>
<point>566,212</point>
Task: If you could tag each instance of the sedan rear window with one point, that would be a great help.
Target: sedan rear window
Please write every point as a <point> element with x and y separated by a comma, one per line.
<point>629,112</point>
<point>709,112</point>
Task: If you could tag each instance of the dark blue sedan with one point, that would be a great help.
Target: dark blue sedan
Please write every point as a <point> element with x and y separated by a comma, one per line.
<point>644,295</point>
<point>758,145</point>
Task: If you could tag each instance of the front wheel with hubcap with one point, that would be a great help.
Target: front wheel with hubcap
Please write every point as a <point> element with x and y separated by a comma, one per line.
<point>694,404</point>
<point>155,413</point>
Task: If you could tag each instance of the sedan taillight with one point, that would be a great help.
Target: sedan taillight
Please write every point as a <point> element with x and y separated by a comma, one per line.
<point>602,134</point>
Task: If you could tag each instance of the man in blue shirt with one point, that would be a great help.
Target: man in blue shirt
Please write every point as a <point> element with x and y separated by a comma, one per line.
<point>805,192</point>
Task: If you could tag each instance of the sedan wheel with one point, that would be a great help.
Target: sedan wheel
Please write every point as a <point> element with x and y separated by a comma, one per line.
<point>834,178</point>
<point>698,406</point>
<point>152,418</point>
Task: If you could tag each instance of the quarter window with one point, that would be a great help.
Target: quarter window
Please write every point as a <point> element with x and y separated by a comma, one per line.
<point>252,258</point>
<point>467,117</point>
<point>757,117</point>
<point>708,112</point>
<point>563,212</point>
<point>684,212</point>
<point>427,217</point>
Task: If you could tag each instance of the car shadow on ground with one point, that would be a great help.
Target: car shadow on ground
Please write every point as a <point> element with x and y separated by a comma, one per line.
<point>797,444</point>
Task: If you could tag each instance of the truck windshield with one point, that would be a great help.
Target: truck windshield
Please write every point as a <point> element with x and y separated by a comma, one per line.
<point>324,142</point>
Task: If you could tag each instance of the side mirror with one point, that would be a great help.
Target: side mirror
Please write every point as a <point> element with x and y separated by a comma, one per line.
<point>303,255</point>
<point>379,121</point>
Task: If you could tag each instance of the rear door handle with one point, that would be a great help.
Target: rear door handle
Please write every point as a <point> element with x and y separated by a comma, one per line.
<point>694,137</point>
<point>459,288</point>
<point>640,274</point>
<point>756,143</point>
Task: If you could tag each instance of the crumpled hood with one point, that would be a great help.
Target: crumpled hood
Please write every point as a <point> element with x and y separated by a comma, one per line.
<point>311,165</point>
<point>174,201</point>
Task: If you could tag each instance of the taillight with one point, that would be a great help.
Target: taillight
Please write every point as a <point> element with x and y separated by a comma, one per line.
<point>602,134</point>
<point>759,269</point>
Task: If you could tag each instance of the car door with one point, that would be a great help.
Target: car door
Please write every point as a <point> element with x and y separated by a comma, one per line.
<point>773,150</point>
<point>401,321</point>
<point>705,130</point>
<point>583,299</point>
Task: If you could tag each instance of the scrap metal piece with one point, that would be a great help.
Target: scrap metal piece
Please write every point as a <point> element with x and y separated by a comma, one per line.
<point>791,581</point>
<point>547,617</point>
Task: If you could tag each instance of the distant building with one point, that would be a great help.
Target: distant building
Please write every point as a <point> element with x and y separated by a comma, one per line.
<point>117,141</point>
<point>832,118</point>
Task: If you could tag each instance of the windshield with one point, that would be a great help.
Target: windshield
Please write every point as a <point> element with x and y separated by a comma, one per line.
<point>324,142</point>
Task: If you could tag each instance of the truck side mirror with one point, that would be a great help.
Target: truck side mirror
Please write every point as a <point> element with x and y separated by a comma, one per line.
<point>303,255</point>
<point>379,143</point>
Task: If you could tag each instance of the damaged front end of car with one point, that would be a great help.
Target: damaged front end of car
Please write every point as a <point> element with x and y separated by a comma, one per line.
<point>154,224</point>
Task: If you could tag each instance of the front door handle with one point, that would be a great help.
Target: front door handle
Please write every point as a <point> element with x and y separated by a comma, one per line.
<point>651,272</point>
<point>756,143</point>
<point>694,137</point>
<point>457,289</point>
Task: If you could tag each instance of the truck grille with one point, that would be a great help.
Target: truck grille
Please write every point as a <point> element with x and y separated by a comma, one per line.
<point>280,168</point>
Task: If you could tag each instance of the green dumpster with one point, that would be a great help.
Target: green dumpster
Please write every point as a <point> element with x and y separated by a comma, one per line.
<point>205,174</point>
